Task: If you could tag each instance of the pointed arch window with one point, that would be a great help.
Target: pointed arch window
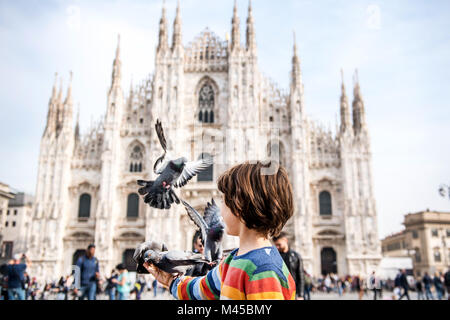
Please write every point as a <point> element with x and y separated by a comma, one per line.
<point>84,207</point>
<point>136,159</point>
<point>133,205</point>
<point>206,175</point>
<point>325,203</point>
<point>206,103</point>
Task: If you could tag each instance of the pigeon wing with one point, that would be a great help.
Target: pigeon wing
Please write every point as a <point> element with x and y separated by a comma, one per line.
<point>180,258</point>
<point>196,218</point>
<point>146,186</point>
<point>212,213</point>
<point>191,169</point>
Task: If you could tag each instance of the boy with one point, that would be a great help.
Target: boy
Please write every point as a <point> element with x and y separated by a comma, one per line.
<point>254,207</point>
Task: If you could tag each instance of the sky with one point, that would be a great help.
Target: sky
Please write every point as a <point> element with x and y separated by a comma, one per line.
<point>400,48</point>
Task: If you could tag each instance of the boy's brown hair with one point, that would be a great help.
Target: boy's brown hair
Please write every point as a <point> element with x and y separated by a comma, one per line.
<point>263,202</point>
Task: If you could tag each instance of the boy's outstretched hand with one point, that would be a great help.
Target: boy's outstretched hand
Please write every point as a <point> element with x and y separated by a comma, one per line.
<point>161,276</point>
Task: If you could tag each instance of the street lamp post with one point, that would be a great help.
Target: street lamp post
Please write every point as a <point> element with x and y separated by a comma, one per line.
<point>444,245</point>
<point>411,253</point>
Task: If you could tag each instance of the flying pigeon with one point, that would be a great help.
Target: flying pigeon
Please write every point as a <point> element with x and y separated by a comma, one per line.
<point>141,249</point>
<point>171,173</point>
<point>212,228</point>
<point>175,262</point>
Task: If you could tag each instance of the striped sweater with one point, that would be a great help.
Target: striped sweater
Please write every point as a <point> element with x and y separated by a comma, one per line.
<point>260,274</point>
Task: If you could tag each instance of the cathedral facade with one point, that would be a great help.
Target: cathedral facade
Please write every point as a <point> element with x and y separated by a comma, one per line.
<point>213,101</point>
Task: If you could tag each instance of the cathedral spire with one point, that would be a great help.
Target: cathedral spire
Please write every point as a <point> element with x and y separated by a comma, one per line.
<point>54,90</point>
<point>117,68</point>
<point>131,95</point>
<point>251,41</point>
<point>163,30</point>
<point>60,94</point>
<point>359,120</point>
<point>176,40</point>
<point>59,108</point>
<point>77,125</point>
<point>69,99</point>
<point>296,74</point>
<point>296,90</point>
<point>52,107</point>
<point>345,113</point>
<point>235,32</point>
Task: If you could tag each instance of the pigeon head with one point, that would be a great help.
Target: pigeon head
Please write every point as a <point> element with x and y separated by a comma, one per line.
<point>216,233</point>
<point>153,257</point>
<point>178,164</point>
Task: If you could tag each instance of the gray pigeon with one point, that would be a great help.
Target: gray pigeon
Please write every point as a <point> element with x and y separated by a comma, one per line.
<point>175,262</point>
<point>212,228</point>
<point>171,173</point>
<point>138,255</point>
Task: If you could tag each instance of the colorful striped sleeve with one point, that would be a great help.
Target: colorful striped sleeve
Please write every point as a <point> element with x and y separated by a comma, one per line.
<point>198,288</point>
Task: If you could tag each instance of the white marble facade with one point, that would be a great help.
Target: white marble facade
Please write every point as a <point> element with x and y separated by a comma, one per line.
<point>244,116</point>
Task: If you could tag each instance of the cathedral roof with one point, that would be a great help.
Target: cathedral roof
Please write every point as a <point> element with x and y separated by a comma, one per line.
<point>208,51</point>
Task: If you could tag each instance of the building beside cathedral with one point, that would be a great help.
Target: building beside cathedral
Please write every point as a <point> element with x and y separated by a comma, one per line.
<point>207,93</point>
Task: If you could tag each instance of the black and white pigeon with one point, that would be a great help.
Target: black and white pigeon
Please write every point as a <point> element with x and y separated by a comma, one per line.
<point>138,255</point>
<point>212,228</point>
<point>171,173</point>
<point>175,262</point>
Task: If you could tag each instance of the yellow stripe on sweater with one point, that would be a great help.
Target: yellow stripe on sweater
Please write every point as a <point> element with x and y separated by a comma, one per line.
<point>232,293</point>
<point>266,296</point>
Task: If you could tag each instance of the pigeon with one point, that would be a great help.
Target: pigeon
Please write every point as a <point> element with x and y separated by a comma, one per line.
<point>175,262</point>
<point>138,255</point>
<point>171,173</point>
<point>212,228</point>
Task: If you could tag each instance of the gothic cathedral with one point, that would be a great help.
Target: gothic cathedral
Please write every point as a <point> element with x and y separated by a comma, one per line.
<point>213,101</point>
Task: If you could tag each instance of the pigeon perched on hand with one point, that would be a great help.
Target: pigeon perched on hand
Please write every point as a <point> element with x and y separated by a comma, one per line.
<point>175,262</point>
<point>212,228</point>
<point>171,173</point>
<point>138,255</point>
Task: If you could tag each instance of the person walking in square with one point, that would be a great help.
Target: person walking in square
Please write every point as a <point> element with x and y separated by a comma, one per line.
<point>438,285</point>
<point>447,283</point>
<point>111,286</point>
<point>89,274</point>
<point>427,282</point>
<point>308,285</point>
<point>16,277</point>
<point>123,282</point>
<point>293,261</point>
<point>404,285</point>
<point>375,285</point>
<point>419,289</point>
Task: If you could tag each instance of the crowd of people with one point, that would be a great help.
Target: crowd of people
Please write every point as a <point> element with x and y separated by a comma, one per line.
<point>16,283</point>
<point>423,286</point>
<point>426,287</point>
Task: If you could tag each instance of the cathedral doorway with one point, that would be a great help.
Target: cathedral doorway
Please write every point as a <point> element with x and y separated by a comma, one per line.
<point>328,261</point>
<point>128,261</point>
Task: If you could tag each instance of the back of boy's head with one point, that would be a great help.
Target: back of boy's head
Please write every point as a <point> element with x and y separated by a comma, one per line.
<point>263,202</point>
